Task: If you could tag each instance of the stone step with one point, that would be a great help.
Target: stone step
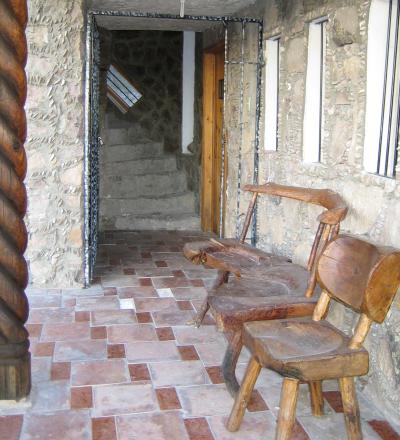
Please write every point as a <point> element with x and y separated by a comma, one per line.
<point>116,136</point>
<point>166,164</point>
<point>136,186</point>
<point>175,204</point>
<point>156,222</point>
<point>125,152</point>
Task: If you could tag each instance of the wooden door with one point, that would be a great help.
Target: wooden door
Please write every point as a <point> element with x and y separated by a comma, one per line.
<point>213,113</point>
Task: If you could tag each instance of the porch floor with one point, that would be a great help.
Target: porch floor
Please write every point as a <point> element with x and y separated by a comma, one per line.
<point>117,361</point>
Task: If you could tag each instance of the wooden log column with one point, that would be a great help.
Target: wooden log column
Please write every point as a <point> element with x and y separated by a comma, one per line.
<point>15,366</point>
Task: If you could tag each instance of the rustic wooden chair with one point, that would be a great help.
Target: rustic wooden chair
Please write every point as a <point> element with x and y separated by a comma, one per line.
<point>353,272</point>
<point>265,286</point>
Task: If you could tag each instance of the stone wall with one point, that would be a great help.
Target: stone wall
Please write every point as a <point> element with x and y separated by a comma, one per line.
<point>153,61</point>
<point>55,142</point>
<point>288,227</point>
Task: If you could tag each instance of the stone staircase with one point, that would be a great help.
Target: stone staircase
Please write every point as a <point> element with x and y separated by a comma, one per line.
<point>141,187</point>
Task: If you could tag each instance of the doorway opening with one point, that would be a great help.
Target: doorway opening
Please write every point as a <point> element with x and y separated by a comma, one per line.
<point>116,189</point>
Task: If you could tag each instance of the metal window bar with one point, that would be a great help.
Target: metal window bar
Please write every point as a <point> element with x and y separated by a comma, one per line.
<point>90,247</point>
<point>321,85</point>
<point>389,127</point>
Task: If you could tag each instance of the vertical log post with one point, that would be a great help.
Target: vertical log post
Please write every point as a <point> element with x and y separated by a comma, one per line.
<point>15,365</point>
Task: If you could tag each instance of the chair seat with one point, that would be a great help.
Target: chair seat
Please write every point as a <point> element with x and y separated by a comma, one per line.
<point>305,349</point>
<point>231,256</point>
<point>272,293</point>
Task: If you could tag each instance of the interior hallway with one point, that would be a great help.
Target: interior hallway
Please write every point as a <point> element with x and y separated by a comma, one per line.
<point>117,361</point>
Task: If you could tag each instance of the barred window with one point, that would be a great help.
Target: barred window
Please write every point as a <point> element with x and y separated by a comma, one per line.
<point>272,65</point>
<point>315,92</point>
<point>383,85</point>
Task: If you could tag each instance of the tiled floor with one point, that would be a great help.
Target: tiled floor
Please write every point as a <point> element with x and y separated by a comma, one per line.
<point>118,361</point>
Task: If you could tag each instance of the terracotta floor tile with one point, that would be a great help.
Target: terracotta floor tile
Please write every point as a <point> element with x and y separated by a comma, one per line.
<point>299,433</point>
<point>111,291</point>
<point>10,427</point>
<point>157,351</point>
<point>197,283</point>
<point>44,349</point>
<point>165,334</point>
<point>65,332</point>
<point>129,271</point>
<point>384,429</point>
<point>139,372</point>
<point>99,372</point>
<point>80,350</point>
<point>129,333</point>
<point>98,332</point>
<point>257,403</point>
<point>35,330</point>
<point>161,263</point>
<point>154,304</point>
<point>145,254</point>
<point>82,316</point>
<point>184,305</point>
<point>188,353</point>
<point>178,273</point>
<point>124,399</point>
<point>115,351</point>
<point>65,425</point>
<point>178,373</point>
<point>109,317</point>
<point>103,428</point>
<point>61,371</point>
<point>156,426</point>
<point>168,399</point>
<point>145,282</point>
<point>215,374</point>
<point>81,397</point>
<point>144,317</point>
<point>198,429</point>
<point>335,400</point>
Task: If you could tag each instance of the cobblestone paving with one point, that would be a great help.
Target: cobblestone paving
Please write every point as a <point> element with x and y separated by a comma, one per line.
<point>117,361</point>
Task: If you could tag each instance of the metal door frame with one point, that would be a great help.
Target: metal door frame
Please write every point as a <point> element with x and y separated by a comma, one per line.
<point>91,147</point>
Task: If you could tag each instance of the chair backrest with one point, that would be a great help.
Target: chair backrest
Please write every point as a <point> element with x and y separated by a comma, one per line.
<point>335,210</point>
<point>360,275</point>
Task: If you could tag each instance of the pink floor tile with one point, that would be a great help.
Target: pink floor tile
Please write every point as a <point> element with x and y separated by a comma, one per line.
<point>156,426</point>
<point>178,373</point>
<point>109,317</point>
<point>172,317</point>
<point>137,292</point>
<point>50,396</point>
<point>154,304</point>
<point>130,333</point>
<point>44,301</point>
<point>58,315</point>
<point>189,293</point>
<point>124,399</point>
<point>65,425</point>
<point>97,303</point>
<point>99,372</point>
<point>80,350</point>
<point>205,400</point>
<point>65,332</point>
<point>190,335</point>
<point>152,351</point>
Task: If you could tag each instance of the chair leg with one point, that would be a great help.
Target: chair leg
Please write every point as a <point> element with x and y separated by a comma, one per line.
<point>231,357</point>
<point>317,398</point>
<point>287,411</point>
<point>243,396</point>
<point>198,318</point>
<point>350,408</point>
